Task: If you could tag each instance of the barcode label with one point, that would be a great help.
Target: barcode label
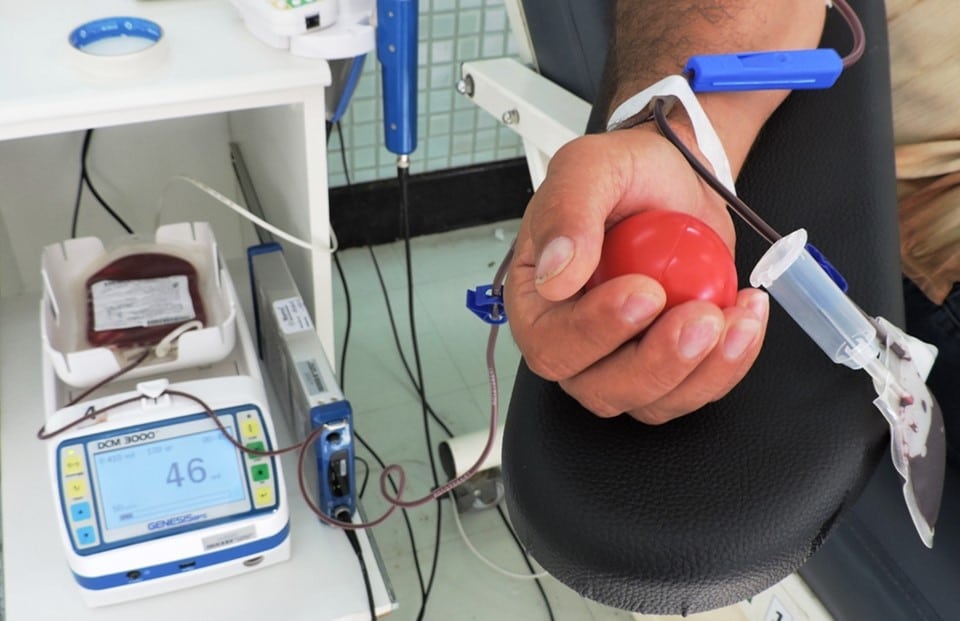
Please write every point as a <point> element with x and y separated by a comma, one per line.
<point>292,315</point>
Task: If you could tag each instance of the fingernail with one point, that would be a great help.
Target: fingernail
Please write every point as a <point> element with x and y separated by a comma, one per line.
<point>739,337</point>
<point>639,308</point>
<point>698,336</point>
<point>759,305</point>
<point>554,258</point>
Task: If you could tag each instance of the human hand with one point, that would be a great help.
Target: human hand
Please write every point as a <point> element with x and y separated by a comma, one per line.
<point>613,348</point>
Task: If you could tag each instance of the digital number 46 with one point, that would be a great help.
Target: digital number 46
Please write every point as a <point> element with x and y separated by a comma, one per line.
<point>196,473</point>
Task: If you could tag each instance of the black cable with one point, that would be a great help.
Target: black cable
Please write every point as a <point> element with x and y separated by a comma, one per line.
<point>366,474</point>
<point>336,261</point>
<point>403,512</point>
<point>526,560</point>
<point>346,333</point>
<point>403,176</point>
<point>355,544</point>
<point>343,156</point>
<point>436,417</point>
<point>396,341</point>
<point>79,197</point>
<point>85,179</point>
<point>418,387</point>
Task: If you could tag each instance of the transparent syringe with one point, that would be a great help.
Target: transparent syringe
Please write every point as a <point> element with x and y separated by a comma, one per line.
<point>897,362</point>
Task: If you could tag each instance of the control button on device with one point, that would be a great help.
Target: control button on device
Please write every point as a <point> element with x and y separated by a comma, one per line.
<point>255,446</point>
<point>80,511</point>
<point>260,472</point>
<point>250,428</point>
<point>86,536</point>
<point>76,488</point>
<point>72,463</point>
<point>263,496</point>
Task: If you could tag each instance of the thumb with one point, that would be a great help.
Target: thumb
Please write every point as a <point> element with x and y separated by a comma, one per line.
<point>567,219</point>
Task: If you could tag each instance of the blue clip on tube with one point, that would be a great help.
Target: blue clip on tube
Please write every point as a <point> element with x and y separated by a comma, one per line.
<point>397,53</point>
<point>815,302</point>
<point>752,71</point>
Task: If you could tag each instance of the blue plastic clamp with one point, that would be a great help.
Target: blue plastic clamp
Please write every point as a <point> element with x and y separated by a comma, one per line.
<point>753,71</point>
<point>828,267</point>
<point>482,303</point>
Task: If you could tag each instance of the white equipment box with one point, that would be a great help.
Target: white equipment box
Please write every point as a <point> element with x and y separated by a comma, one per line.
<point>151,495</point>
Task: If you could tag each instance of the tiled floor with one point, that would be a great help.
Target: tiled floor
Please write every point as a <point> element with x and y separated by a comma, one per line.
<point>388,416</point>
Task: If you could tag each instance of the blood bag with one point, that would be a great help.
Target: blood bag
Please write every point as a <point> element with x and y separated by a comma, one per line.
<point>138,299</point>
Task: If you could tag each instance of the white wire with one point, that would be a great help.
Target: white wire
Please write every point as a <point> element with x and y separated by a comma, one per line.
<point>334,242</point>
<point>488,562</point>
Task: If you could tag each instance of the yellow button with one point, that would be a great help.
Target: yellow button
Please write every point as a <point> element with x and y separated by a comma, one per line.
<point>250,428</point>
<point>72,464</point>
<point>263,496</point>
<point>76,488</point>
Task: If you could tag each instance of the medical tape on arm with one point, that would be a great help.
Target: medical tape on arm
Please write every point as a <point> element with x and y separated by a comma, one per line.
<point>672,89</point>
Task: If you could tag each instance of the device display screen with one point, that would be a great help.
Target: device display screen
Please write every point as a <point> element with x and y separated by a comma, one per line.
<point>153,483</point>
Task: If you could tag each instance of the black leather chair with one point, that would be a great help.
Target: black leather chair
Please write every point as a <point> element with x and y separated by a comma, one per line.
<point>719,505</point>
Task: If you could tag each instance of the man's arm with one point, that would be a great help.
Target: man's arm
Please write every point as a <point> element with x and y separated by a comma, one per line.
<point>613,348</point>
<point>654,38</point>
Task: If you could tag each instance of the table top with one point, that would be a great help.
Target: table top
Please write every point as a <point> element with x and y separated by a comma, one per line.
<point>212,63</point>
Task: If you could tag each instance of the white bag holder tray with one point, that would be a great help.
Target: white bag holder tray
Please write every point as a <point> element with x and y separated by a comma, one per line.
<point>66,267</point>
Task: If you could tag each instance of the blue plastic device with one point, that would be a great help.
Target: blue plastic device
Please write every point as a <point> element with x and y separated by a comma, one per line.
<point>335,462</point>
<point>752,71</point>
<point>481,301</point>
<point>397,53</point>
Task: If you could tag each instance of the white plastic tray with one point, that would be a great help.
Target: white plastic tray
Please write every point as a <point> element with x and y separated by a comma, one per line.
<point>66,266</point>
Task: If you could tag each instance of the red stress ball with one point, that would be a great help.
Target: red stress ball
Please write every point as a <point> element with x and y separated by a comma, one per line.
<point>685,255</point>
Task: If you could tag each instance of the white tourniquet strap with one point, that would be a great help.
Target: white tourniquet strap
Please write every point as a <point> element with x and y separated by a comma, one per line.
<point>671,89</point>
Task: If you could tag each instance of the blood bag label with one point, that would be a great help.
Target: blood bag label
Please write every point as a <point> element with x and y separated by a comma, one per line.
<point>121,304</point>
<point>292,315</point>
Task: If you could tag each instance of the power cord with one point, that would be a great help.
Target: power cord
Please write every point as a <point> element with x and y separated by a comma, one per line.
<point>342,372</point>
<point>488,562</point>
<point>85,180</point>
<point>336,259</point>
<point>355,544</point>
<point>366,474</point>
<point>439,421</point>
<point>526,560</point>
<point>363,487</point>
<point>403,176</point>
<point>403,512</point>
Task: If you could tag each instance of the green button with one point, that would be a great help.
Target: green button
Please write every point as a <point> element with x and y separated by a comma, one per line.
<point>255,446</point>
<point>260,473</point>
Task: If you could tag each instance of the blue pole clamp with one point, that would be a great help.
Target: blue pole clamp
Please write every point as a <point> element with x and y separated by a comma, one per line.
<point>484,304</point>
<point>397,37</point>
